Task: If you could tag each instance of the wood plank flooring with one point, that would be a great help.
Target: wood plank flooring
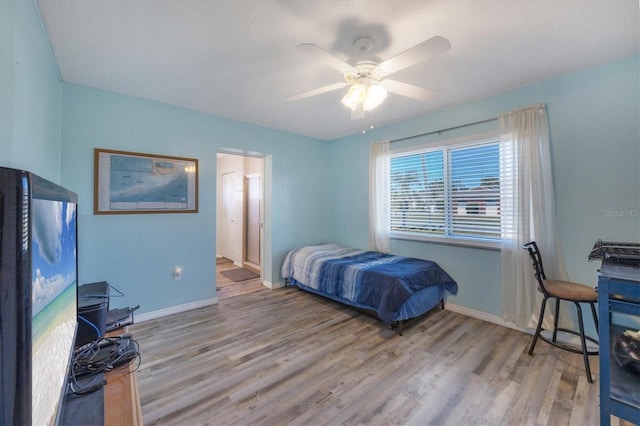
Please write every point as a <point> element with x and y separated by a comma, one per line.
<point>276,357</point>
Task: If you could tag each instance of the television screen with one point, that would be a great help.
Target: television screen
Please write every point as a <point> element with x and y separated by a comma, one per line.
<point>54,303</point>
<point>38,296</point>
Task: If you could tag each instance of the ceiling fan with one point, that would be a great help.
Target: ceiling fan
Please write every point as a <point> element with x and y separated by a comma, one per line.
<point>366,74</point>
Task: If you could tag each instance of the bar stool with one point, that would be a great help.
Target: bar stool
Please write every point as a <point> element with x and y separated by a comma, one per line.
<point>570,292</point>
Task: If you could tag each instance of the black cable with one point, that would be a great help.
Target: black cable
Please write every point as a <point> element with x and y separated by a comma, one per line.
<point>102,295</point>
<point>105,354</point>
<point>95,327</point>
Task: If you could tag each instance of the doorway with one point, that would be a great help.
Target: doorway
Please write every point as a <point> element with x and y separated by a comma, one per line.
<point>239,211</point>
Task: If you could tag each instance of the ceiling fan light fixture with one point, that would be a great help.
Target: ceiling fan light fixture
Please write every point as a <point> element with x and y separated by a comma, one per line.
<point>356,94</point>
<point>369,95</point>
<point>376,94</point>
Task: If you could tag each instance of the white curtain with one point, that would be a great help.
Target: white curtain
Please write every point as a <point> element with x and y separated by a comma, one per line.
<point>379,210</point>
<point>530,216</point>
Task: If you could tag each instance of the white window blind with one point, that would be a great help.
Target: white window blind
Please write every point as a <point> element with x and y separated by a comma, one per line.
<point>448,192</point>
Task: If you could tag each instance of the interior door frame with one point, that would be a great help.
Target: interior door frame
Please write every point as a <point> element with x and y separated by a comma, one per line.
<point>263,202</point>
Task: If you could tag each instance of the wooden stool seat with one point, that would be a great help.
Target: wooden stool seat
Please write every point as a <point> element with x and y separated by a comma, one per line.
<point>571,291</point>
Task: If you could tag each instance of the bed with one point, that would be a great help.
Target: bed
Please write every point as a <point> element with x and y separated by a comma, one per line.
<point>394,288</point>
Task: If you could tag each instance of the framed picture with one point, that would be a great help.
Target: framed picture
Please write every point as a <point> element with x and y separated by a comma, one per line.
<point>130,182</point>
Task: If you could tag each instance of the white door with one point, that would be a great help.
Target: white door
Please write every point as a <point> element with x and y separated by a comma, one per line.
<point>229,215</point>
<point>253,219</point>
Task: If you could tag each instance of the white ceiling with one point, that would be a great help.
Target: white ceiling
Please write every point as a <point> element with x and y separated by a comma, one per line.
<point>238,58</point>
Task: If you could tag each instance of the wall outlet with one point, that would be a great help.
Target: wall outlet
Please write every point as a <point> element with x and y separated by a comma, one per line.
<point>177,273</point>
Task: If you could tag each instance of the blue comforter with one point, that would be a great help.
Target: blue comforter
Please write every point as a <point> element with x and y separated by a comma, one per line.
<point>377,281</point>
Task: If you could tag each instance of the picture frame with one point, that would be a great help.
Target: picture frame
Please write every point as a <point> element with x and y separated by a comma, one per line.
<point>132,182</point>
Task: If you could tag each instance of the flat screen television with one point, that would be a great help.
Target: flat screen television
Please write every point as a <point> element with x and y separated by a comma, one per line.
<point>38,296</point>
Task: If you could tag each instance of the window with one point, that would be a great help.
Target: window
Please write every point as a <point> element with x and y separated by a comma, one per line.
<point>449,192</point>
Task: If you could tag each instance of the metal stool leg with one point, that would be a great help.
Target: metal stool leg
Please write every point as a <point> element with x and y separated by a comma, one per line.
<point>539,327</point>
<point>585,356</point>
<point>555,320</point>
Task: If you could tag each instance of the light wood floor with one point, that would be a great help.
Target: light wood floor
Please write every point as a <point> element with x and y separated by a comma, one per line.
<point>275,357</point>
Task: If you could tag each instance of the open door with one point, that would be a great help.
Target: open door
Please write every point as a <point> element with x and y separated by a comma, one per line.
<point>231,217</point>
<point>240,209</point>
<point>253,222</point>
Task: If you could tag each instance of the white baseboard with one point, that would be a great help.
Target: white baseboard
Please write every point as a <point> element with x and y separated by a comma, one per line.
<point>271,285</point>
<point>146,316</point>
<point>494,319</point>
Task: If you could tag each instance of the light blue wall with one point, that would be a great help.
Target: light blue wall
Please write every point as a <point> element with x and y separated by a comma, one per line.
<point>317,191</point>
<point>594,120</point>
<point>137,253</point>
<point>30,93</point>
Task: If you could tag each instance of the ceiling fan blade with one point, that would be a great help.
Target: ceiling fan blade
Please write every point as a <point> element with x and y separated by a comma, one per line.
<point>419,53</point>
<point>318,91</point>
<point>357,113</point>
<point>324,56</point>
<point>409,90</point>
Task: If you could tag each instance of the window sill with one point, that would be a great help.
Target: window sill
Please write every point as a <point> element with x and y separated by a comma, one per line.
<point>463,242</point>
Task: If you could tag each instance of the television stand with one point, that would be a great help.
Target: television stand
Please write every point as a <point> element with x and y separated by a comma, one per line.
<point>116,404</point>
<point>121,397</point>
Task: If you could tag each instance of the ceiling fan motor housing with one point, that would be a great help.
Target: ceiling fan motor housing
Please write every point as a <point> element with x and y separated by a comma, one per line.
<point>364,71</point>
